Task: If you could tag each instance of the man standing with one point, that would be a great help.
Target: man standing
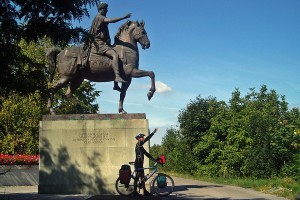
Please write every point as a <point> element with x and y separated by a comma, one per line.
<point>139,160</point>
<point>100,32</point>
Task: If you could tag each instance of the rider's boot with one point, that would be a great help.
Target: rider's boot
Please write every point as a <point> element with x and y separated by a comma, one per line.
<point>146,193</point>
<point>135,193</point>
<point>117,73</point>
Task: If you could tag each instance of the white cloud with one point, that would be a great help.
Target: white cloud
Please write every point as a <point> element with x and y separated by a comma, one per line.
<point>162,88</point>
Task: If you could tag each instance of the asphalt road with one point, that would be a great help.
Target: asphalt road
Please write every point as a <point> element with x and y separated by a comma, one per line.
<point>184,189</point>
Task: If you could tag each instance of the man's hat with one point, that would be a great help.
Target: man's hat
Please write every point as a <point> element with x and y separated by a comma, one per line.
<point>139,135</point>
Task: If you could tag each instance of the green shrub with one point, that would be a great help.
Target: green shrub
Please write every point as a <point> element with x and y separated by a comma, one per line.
<point>19,123</point>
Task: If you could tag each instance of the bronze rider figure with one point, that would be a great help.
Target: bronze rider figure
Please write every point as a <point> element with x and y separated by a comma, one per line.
<point>99,30</point>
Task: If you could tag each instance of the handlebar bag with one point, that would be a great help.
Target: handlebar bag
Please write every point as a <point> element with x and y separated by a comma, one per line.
<point>162,160</point>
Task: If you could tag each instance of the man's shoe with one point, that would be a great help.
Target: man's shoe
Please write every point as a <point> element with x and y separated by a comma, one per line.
<point>146,193</point>
<point>135,193</point>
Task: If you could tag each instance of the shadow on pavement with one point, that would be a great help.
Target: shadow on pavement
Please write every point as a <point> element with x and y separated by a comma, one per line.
<point>170,197</point>
<point>117,197</point>
<point>187,187</point>
<point>31,196</point>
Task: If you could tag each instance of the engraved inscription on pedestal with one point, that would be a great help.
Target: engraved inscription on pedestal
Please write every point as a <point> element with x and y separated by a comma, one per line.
<point>97,137</point>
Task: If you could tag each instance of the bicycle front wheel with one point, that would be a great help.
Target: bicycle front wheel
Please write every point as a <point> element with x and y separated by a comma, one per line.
<point>164,190</point>
<point>125,190</point>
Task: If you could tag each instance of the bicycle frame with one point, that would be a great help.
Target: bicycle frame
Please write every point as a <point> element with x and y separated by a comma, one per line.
<point>127,190</point>
<point>148,176</point>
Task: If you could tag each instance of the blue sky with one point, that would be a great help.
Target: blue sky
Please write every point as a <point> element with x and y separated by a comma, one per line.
<point>207,48</point>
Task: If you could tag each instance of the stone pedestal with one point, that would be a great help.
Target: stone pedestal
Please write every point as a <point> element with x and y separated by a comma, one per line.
<point>82,154</point>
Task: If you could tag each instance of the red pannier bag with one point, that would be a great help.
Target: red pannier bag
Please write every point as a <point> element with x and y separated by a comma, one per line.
<point>162,159</point>
<point>124,174</point>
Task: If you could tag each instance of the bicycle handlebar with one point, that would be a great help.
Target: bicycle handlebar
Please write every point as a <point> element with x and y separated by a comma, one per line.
<point>155,164</point>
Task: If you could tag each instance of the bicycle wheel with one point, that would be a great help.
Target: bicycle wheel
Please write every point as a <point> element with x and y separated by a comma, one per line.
<point>125,190</point>
<point>165,190</point>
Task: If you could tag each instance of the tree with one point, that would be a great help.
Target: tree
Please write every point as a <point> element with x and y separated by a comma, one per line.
<point>255,136</point>
<point>195,119</point>
<point>155,150</point>
<point>33,20</point>
<point>24,25</point>
<point>19,123</point>
<point>177,151</point>
<point>270,142</point>
<point>290,162</point>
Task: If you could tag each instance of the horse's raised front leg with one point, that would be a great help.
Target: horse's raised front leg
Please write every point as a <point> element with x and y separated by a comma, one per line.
<point>136,73</point>
<point>124,88</point>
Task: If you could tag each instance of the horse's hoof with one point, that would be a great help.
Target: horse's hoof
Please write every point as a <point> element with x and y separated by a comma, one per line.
<point>117,88</point>
<point>122,111</point>
<point>150,95</point>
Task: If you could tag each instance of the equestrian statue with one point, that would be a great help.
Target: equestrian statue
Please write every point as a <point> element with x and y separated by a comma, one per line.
<point>99,61</point>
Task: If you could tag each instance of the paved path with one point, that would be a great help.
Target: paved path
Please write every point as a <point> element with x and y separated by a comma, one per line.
<point>184,189</point>
<point>192,189</point>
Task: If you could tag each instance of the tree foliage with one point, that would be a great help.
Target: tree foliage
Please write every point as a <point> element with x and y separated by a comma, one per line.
<point>195,120</point>
<point>252,136</point>
<point>20,112</point>
<point>32,20</point>
<point>27,28</point>
<point>19,123</point>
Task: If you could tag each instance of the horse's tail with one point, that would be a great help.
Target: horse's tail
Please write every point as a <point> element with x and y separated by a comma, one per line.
<point>51,58</point>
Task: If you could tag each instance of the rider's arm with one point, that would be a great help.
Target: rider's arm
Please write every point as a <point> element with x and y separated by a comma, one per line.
<point>149,136</point>
<point>149,155</point>
<point>113,20</point>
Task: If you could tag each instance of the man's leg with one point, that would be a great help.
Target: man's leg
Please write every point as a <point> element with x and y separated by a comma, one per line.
<point>146,193</point>
<point>137,176</point>
<point>115,64</point>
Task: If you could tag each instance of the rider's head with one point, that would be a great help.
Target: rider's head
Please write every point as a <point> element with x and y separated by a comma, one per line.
<point>140,137</point>
<point>102,6</point>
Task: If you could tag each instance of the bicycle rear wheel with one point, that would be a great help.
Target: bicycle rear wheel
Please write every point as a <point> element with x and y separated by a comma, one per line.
<point>163,191</point>
<point>125,190</point>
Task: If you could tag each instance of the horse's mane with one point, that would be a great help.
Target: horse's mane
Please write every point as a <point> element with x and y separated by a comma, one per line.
<point>124,27</point>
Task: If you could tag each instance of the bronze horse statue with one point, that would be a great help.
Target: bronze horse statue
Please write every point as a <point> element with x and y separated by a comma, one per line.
<point>99,68</point>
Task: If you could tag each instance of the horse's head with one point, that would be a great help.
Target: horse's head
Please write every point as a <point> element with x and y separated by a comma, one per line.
<point>140,34</point>
<point>133,31</point>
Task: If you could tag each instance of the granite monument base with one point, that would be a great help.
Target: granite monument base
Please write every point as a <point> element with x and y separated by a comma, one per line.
<point>82,154</point>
